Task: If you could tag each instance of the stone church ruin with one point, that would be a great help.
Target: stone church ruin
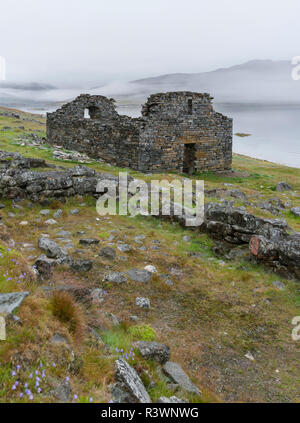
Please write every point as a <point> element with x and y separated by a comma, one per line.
<point>178,131</point>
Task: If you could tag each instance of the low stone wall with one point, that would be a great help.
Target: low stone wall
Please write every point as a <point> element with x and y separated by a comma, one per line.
<point>18,181</point>
<point>270,240</point>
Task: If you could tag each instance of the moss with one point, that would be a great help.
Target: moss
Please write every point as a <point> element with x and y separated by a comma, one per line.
<point>142,332</point>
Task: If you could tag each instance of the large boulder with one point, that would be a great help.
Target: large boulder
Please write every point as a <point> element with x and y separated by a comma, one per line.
<point>153,351</point>
<point>177,375</point>
<point>129,384</point>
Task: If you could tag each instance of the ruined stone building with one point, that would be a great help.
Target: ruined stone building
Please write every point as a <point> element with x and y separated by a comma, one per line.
<point>178,131</point>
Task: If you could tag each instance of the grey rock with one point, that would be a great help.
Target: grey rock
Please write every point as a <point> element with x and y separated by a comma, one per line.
<point>124,248</point>
<point>59,339</point>
<point>108,252</point>
<point>171,400</point>
<point>296,211</point>
<point>143,302</point>
<point>45,212</point>
<point>51,248</point>
<point>283,186</point>
<point>115,277</point>
<point>9,302</point>
<point>140,275</point>
<point>63,392</point>
<point>57,214</point>
<point>97,294</point>
<point>51,222</point>
<point>2,206</point>
<point>82,265</point>
<point>176,373</point>
<point>186,238</point>
<point>74,212</point>
<point>89,241</point>
<point>130,384</point>
<point>154,351</point>
<point>64,234</point>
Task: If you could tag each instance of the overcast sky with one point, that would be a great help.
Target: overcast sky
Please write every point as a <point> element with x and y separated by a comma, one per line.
<point>97,41</point>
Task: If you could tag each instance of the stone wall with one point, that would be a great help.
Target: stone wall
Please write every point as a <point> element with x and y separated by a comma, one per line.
<point>178,131</point>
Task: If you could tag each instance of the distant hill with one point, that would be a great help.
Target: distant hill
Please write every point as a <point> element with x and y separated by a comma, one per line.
<point>255,81</point>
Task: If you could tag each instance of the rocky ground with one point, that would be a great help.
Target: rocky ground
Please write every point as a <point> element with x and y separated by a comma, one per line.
<point>142,309</point>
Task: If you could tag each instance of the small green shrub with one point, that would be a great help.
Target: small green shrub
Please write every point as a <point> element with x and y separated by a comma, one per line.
<point>142,332</point>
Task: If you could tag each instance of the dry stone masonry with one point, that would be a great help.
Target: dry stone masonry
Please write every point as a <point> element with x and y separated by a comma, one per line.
<point>178,131</point>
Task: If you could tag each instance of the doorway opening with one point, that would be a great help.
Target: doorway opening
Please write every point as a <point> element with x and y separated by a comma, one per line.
<point>189,157</point>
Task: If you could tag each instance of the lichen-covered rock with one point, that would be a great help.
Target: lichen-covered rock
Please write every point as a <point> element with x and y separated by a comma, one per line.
<point>176,373</point>
<point>82,265</point>
<point>9,302</point>
<point>129,384</point>
<point>108,252</point>
<point>115,277</point>
<point>51,248</point>
<point>143,302</point>
<point>154,351</point>
<point>142,276</point>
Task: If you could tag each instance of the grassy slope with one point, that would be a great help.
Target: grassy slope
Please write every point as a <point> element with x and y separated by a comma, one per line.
<point>216,312</point>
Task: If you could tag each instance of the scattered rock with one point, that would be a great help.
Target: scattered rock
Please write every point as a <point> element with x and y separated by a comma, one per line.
<point>44,266</point>
<point>51,248</point>
<point>89,241</point>
<point>59,339</point>
<point>63,392</point>
<point>171,400</point>
<point>45,212</point>
<point>129,385</point>
<point>51,222</point>
<point>82,265</point>
<point>9,302</point>
<point>249,356</point>
<point>140,275</point>
<point>176,373</point>
<point>186,238</point>
<point>23,223</point>
<point>108,252</point>
<point>115,277</point>
<point>98,294</point>
<point>283,186</point>
<point>124,248</point>
<point>57,214</point>
<point>74,212</point>
<point>154,351</point>
<point>296,211</point>
<point>143,302</point>
<point>151,269</point>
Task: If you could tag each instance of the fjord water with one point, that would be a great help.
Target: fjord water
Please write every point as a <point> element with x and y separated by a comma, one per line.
<point>274,129</point>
